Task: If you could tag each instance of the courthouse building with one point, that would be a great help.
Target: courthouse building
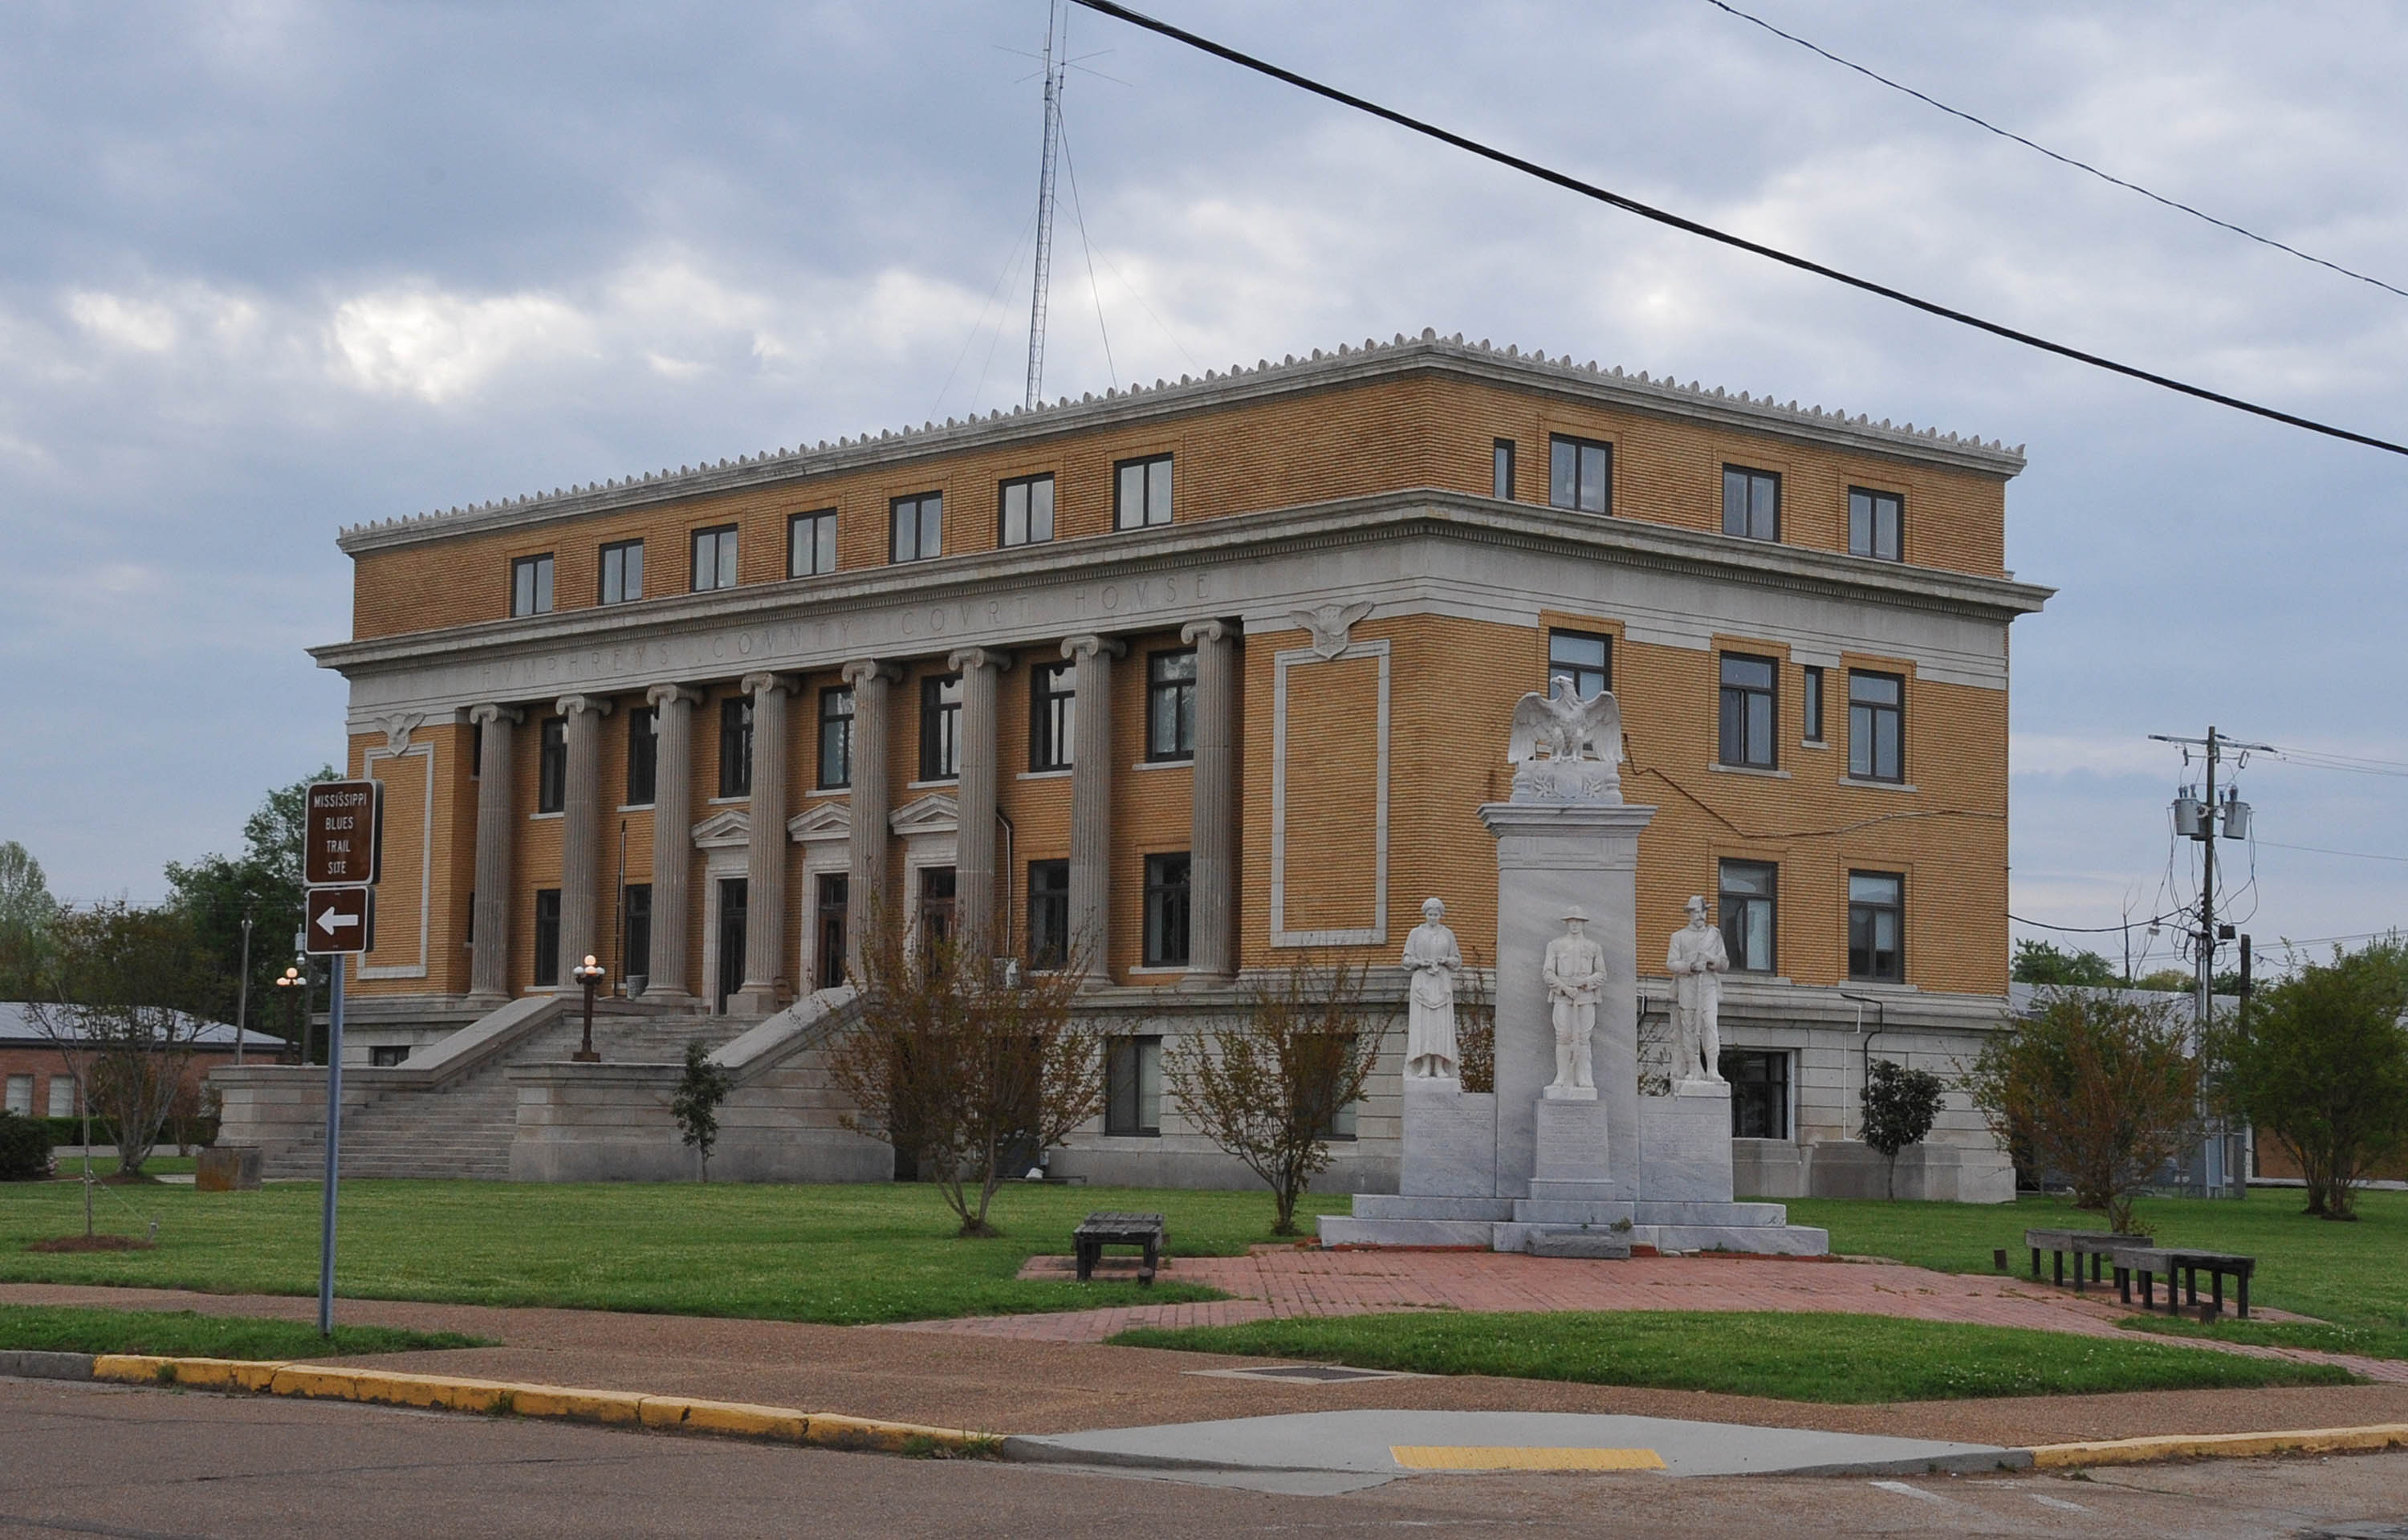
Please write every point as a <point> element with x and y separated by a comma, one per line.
<point>1198,677</point>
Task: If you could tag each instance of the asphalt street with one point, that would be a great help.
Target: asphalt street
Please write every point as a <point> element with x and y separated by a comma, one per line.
<point>87,1459</point>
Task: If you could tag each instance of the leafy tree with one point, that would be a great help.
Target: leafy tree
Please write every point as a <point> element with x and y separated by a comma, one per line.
<point>2045,962</point>
<point>217,892</point>
<point>696,1104</point>
<point>2321,1063</point>
<point>2097,1086</point>
<point>1266,1084</point>
<point>27,911</point>
<point>1900,1105</point>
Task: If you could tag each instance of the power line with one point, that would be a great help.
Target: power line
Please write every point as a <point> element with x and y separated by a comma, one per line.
<point>2063,159</point>
<point>2318,850</point>
<point>1589,190</point>
<point>2093,930</point>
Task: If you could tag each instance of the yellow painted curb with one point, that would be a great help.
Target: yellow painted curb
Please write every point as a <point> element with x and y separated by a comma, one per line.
<point>610,1407</point>
<point>130,1368</point>
<point>2133,1452</point>
<point>739,1418</point>
<point>835,1430</point>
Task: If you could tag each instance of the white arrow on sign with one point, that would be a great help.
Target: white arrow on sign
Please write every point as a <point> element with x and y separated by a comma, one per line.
<point>333,920</point>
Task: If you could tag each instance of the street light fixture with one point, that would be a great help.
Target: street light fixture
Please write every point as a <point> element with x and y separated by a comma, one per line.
<point>589,975</point>
<point>290,981</point>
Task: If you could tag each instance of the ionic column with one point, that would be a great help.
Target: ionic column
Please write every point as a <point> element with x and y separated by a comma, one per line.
<point>1091,803</point>
<point>489,956</point>
<point>672,837</point>
<point>1213,834</point>
<point>764,855</point>
<point>581,829</point>
<point>865,885</point>
<point>974,850</point>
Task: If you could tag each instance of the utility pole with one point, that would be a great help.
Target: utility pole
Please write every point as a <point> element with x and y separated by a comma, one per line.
<point>1057,23</point>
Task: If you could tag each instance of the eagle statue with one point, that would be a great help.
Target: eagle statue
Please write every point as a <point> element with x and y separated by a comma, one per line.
<point>1563,726</point>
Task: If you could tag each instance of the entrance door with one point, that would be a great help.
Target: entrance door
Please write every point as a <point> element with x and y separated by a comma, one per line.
<point>731,939</point>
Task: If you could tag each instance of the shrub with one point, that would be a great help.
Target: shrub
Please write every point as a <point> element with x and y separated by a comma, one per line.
<point>24,1148</point>
<point>1901,1106</point>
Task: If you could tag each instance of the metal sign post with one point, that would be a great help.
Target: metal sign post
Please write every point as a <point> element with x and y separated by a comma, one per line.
<point>333,1149</point>
<point>342,851</point>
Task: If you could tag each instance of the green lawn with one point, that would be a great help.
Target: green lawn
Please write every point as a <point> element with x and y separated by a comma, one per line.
<point>839,1254</point>
<point>1791,1357</point>
<point>180,1333</point>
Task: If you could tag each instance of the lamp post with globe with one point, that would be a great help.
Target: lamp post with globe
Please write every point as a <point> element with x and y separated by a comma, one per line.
<point>589,975</point>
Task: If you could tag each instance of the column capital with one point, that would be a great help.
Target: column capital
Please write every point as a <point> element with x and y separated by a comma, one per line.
<point>862,670</point>
<point>754,684</point>
<point>670,694</point>
<point>490,712</point>
<point>569,706</point>
<point>962,658</point>
<point>1206,630</point>
<point>1081,648</point>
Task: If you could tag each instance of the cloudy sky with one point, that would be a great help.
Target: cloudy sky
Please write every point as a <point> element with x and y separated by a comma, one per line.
<point>271,268</point>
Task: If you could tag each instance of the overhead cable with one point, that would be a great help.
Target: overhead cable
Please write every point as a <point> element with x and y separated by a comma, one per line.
<point>1646,211</point>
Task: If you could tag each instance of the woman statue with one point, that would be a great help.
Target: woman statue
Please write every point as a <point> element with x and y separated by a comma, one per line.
<point>1433,961</point>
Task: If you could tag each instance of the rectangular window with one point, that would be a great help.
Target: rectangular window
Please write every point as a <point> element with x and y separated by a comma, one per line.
<point>1812,704</point>
<point>636,933</point>
<point>835,737</point>
<point>714,557</point>
<point>919,527</point>
<point>551,765</point>
<point>20,1095</point>
<point>1579,472</point>
<point>623,572</point>
<point>388,1055</point>
<point>828,913</point>
<point>1747,905</point>
<point>1747,714</point>
<point>1876,726</point>
<point>546,937</point>
<point>1170,705</point>
<point>1053,715</point>
<point>1751,504</point>
<point>1141,492</point>
<point>1025,511</point>
<point>1875,519</point>
<point>1166,910</point>
<point>1133,1086</point>
<point>1049,913</point>
<point>936,904</point>
<point>736,747</point>
<point>643,756</point>
<point>1503,485</point>
<point>811,544</point>
<point>531,585</point>
<point>1876,919</point>
<point>63,1101</point>
<point>1759,1092</point>
<point>1586,659</point>
<point>940,727</point>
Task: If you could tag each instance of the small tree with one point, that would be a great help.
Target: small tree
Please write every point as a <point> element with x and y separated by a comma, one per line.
<point>2097,1085</point>
<point>1267,1085</point>
<point>2321,1063</point>
<point>27,914</point>
<point>695,1106</point>
<point>1900,1105</point>
<point>2045,962</point>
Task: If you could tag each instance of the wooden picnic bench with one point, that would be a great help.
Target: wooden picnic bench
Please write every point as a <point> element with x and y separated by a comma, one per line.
<point>2181,1268</point>
<point>1099,1229</point>
<point>2094,1243</point>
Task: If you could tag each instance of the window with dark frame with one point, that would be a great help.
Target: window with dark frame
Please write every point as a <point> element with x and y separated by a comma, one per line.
<point>1166,910</point>
<point>1141,492</point>
<point>1876,726</point>
<point>937,891</point>
<point>1170,705</point>
<point>1502,486</point>
<point>940,727</point>
<point>1580,474</point>
<point>828,907</point>
<point>382,1056</point>
<point>1748,904</point>
<point>1581,657</point>
<point>1759,1092</point>
<point>918,525</point>
<point>546,938</point>
<point>636,931</point>
<point>1049,913</point>
<point>623,572</point>
<point>531,585</point>
<point>736,747</point>
<point>643,757</point>
<point>1876,524</point>
<point>835,737</point>
<point>811,544</point>
<point>1876,923</point>
<point>1053,715</point>
<point>1024,511</point>
<point>1811,704</point>
<point>1747,717</point>
<point>714,557</point>
<point>1751,504</point>
<point>551,765</point>
<point>1133,1087</point>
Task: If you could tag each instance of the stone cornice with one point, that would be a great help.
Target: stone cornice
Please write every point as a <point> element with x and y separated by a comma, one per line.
<point>1506,366</point>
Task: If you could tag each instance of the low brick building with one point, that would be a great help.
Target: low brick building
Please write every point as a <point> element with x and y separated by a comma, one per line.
<point>38,1076</point>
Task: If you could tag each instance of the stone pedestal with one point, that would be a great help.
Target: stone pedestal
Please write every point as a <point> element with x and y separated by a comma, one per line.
<point>1450,1141</point>
<point>1685,1144</point>
<point>1575,1161</point>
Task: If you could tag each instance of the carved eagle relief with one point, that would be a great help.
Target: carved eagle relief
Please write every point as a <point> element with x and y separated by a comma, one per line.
<point>1562,726</point>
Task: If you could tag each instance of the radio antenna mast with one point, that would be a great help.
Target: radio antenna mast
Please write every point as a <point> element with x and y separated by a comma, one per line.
<point>1058,27</point>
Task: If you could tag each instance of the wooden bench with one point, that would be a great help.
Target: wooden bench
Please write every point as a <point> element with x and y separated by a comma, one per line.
<point>1097,1230</point>
<point>2094,1243</point>
<point>2181,1269</point>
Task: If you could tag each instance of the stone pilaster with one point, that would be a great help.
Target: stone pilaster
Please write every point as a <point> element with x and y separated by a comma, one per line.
<point>672,838</point>
<point>580,831</point>
<point>866,886</point>
<point>1212,830</point>
<point>489,958</point>
<point>1091,803</point>
<point>974,853</point>
<point>765,856</point>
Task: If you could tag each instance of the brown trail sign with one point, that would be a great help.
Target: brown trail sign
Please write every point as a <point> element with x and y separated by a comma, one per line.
<point>343,840</point>
<point>340,919</point>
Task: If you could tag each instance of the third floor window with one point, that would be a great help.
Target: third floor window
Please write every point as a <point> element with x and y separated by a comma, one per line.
<point>1874,520</point>
<point>1580,474</point>
<point>1027,511</point>
<point>623,572</point>
<point>919,527</point>
<point>811,544</point>
<point>714,557</point>
<point>1751,504</point>
<point>1141,492</point>
<point>531,585</point>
